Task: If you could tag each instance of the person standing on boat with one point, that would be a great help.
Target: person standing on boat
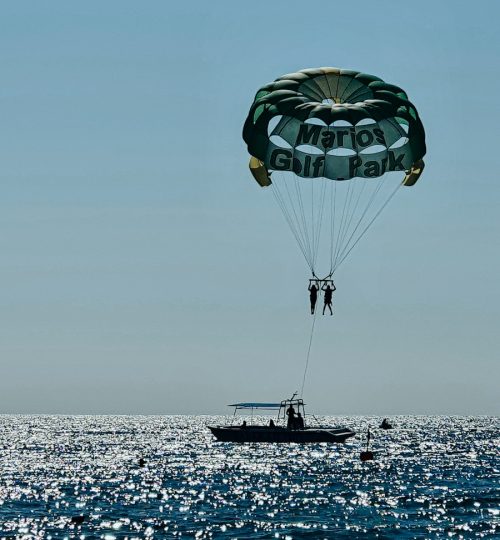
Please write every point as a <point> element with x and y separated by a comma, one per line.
<point>291,417</point>
<point>313,296</point>
<point>299,423</point>
<point>328,297</point>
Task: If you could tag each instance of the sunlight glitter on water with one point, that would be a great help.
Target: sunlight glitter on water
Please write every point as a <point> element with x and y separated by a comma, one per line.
<point>80,476</point>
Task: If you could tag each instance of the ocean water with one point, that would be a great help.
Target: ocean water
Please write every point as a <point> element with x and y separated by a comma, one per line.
<point>80,477</point>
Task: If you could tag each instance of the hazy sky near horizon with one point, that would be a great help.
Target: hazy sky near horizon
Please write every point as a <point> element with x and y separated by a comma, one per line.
<point>143,270</point>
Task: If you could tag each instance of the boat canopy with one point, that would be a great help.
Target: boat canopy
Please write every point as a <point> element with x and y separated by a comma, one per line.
<point>268,406</point>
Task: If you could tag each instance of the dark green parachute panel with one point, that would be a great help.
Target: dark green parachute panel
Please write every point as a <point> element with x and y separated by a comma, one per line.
<point>334,123</point>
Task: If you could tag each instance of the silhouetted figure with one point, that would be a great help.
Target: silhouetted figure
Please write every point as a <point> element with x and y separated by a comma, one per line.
<point>244,424</point>
<point>271,423</point>
<point>299,421</point>
<point>328,297</point>
<point>313,296</point>
<point>367,455</point>
<point>142,462</point>
<point>291,417</point>
<point>385,424</point>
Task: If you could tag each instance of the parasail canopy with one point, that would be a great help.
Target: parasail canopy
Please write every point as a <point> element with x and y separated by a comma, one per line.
<point>334,123</point>
<point>316,125</point>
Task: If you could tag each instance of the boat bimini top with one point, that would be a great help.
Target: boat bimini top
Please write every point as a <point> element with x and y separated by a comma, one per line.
<point>280,407</point>
<point>262,406</point>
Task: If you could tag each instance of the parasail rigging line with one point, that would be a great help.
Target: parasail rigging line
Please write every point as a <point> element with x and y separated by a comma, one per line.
<point>279,199</point>
<point>320,221</point>
<point>333,200</point>
<point>312,223</point>
<point>369,204</point>
<point>342,220</point>
<point>343,245</point>
<point>308,356</point>
<point>352,213</point>
<point>369,225</point>
<point>303,230</point>
<point>302,212</point>
<point>281,203</point>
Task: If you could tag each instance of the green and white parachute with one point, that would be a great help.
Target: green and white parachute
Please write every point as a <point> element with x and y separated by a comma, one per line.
<point>316,125</point>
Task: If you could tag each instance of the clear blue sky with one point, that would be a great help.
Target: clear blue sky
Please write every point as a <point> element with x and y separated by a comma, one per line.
<point>142,270</point>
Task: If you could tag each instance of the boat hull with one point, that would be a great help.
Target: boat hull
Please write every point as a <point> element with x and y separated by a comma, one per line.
<point>266,434</point>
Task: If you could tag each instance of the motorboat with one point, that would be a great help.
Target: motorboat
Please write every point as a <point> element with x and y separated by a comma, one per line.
<point>289,427</point>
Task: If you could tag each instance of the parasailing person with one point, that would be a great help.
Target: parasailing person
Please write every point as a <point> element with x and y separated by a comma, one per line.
<point>313,296</point>
<point>328,297</point>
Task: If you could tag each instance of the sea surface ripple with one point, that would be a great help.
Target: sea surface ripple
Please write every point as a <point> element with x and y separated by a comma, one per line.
<point>82,477</point>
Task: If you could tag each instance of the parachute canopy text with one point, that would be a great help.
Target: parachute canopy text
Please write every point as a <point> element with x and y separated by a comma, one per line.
<point>338,167</point>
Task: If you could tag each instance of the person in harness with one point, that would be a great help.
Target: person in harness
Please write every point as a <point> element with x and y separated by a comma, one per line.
<point>313,295</point>
<point>328,297</point>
